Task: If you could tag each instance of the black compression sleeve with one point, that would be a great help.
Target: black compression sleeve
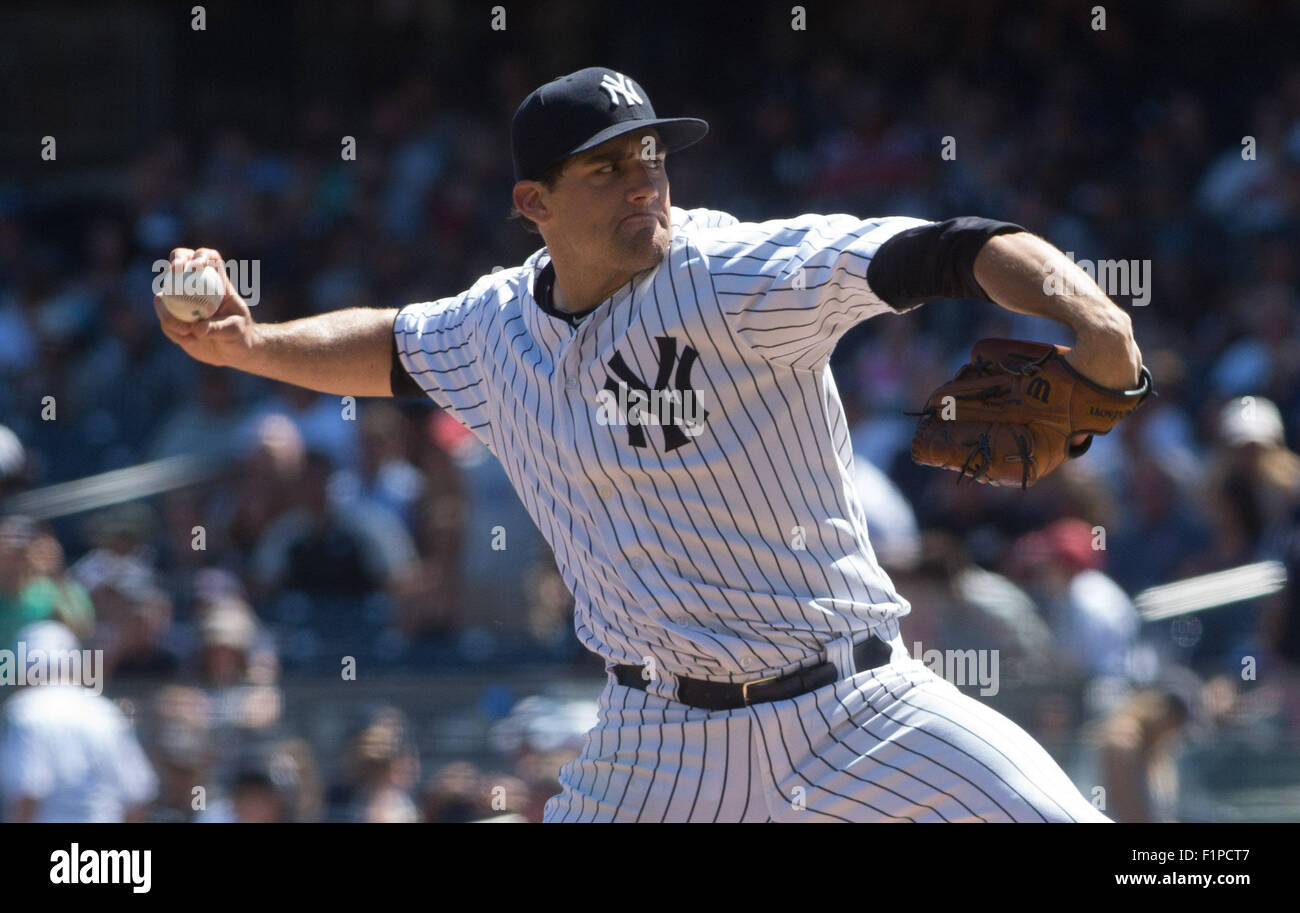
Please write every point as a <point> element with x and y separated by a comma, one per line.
<point>932,261</point>
<point>401,383</point>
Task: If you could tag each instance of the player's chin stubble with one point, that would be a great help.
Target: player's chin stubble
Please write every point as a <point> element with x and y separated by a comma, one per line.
<point>644,249</point>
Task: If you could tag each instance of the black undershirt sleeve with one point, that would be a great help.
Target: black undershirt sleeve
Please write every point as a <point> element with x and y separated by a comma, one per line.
<point>932,261</point>
<point>399,380</point>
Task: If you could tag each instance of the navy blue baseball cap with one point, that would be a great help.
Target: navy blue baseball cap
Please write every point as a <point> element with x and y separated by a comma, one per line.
<point>580,111</point>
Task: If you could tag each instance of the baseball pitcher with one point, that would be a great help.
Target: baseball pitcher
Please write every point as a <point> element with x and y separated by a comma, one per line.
<point>655,382</point>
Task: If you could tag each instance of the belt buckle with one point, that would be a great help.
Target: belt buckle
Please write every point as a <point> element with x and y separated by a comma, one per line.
<point>744,688</point>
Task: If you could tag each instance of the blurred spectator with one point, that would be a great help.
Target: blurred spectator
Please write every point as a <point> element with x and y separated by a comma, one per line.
<point>1093,621</point>
<point>321,420</point>
<point>540,735</point>
<point>385,477</point>
<point>121,540</point>
<point>1163,426</point>
<point>550,613</point>
<point>1160,530</point>
<point>276,783</point>
<point>68,754</point>
<point>454,794</point>
<point>380,771</point>
<point>306,787</point>
<point>244,699</point>
<point>1136,743</point>
<point>539,771</point>
<point>884,370</point>
<point>19,343</point>
<point>233,646</point>
<point>498,541</point>
<point>226,631</point>
<point>1252,492</point>
<point>228,635</point>
<point>958,605</point>
<point>1249,192</point>
<point>33,584</point>
<point>147,381</point>
<point>211,584</point>
<point>263,488</point>
<point>255,797</point>
<point>205,423</point>
<point>429,595</point>
<point>182,750</point>
<point>318,546</point>
<point>72,604</point>
<point>135,616</point>
<point>1254,480</point>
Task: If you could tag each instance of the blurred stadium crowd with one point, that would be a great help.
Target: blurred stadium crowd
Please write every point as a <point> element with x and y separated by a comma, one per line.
<point>370,534</point>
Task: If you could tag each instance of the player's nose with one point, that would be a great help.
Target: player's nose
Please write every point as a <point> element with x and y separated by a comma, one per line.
<point>643,186</point>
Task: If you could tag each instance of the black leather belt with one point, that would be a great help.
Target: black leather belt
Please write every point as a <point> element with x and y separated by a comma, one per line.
<point>869,654</point>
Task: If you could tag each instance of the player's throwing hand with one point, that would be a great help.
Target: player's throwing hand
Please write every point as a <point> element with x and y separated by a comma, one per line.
<point>221,338</point>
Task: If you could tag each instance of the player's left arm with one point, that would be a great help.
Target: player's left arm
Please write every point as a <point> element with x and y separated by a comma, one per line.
<point>1011,269</point>
<point>702,218</point>
<point>1001,262</point>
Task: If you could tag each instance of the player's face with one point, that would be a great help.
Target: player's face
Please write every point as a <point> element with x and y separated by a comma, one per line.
<point>610,206</point>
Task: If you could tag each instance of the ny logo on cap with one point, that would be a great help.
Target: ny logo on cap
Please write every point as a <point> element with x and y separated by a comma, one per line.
<point>618,85</point>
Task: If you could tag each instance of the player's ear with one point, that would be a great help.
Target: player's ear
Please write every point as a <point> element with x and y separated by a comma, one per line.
<point>530,200</point>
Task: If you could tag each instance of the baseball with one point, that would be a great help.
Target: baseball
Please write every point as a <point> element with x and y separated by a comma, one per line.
<point>196,293</point>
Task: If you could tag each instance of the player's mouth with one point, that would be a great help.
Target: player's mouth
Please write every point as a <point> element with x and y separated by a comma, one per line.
<point>640,218</point>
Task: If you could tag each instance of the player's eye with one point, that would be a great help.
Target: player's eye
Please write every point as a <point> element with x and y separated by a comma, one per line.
<point>607,168</point>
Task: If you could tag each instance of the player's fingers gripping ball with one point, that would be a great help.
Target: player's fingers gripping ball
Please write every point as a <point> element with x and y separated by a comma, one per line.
<point>1007,417</point>
<point>193,294</point>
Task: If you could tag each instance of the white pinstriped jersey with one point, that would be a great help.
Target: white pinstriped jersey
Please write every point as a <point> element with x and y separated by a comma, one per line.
<point>728,539</point>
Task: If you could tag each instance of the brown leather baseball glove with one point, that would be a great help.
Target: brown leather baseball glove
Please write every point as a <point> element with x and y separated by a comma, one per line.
<point>1008,416</point>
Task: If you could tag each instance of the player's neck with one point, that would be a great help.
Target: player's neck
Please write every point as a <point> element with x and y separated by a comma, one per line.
<point>575,293</point>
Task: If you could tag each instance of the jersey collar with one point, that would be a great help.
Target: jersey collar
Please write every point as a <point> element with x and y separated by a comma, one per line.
<point>544,295</point>
<point>553,328</point>
<point>549,328</point>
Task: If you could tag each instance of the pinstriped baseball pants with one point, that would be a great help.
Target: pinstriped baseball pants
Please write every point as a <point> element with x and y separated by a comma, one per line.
<point>897,743</point>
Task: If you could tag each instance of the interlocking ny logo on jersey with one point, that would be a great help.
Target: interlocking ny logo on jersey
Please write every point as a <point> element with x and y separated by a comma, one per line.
<point>617,85</point>
<point>628,400</point>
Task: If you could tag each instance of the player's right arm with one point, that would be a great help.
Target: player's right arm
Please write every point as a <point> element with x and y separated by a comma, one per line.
<point>346,353</point>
